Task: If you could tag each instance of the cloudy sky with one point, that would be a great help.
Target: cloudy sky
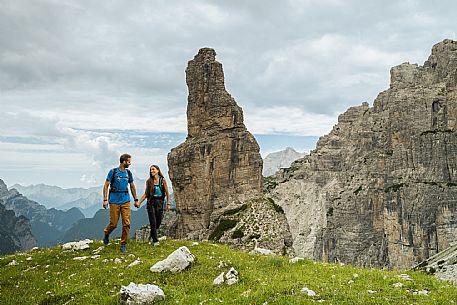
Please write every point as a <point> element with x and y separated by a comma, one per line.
<point>83,81</point>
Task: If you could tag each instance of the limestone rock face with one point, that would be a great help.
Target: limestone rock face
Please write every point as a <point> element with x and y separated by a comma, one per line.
<point>219,163</point>
<point>381,188</point>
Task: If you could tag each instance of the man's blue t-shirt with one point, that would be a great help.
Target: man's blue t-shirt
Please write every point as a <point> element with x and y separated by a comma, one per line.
<point>121,183</point>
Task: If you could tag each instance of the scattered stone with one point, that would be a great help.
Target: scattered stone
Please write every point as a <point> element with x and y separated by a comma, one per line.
<point>371,291</point>
<point>351,282</point>
<point>13,263</point>
<point>98,250</point>
<point>308,292</point>
<point>134,263</point>
<point>28,258</point>
<point>398,285</point>
<point>219,279</point>
<point>262,251</point>
<point>117,261</point>
<point>231,276</point>
<point>141,294</point>
<point>221,264</point>
<point>77,245</point>
<point>195,243</point>
<point>246,293</point>
<point>175,262</point>
<point>355,275</point>
<point>162,238</point>
<point>295,260</point>
<point>34,248</point>
<point>405,277</point>
<point>80,258</point>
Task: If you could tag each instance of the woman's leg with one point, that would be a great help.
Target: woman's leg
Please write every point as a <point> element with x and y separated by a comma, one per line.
<point>152,221</point>
<point>158,212</point>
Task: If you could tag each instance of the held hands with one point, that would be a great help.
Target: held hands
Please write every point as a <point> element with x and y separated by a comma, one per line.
<point>105,204</point>
<point>137,205</point>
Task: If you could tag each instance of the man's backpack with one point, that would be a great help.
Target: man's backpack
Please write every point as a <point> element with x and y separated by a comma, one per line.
<point>112,189</point>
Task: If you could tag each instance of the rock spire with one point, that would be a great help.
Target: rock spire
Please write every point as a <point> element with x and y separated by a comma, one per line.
<point>219,164</point>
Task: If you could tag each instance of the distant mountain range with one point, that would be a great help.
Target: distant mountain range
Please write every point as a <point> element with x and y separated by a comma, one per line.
<point>88,201</point>
<point>46,224</point>
<point>281,159</point>
<point>51,226</point>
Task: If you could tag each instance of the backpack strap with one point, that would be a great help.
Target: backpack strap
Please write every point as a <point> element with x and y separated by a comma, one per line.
<point>130,175</point>
<point>114,190</point>
<point>113,177</point>
<point>162,188</point>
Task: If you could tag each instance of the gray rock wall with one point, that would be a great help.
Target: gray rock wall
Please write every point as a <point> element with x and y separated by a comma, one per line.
<point>381,188</point>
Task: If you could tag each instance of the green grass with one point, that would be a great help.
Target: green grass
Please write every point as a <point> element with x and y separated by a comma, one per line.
<point>53,277</point>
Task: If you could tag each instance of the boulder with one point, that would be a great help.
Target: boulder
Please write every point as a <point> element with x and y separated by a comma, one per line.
<point>134,294</point>
<point>219,279</point>
<point>177,261</point>
<point>231,276</point>
<point>77,245</point>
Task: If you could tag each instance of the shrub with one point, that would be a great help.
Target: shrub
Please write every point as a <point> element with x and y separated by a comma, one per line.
<point>224,225</point>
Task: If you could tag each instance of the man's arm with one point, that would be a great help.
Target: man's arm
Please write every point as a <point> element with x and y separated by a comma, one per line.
<point>133,191</point>
<point>105,194</point>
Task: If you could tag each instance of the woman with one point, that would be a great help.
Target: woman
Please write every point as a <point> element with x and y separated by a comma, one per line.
<point>155,191</point>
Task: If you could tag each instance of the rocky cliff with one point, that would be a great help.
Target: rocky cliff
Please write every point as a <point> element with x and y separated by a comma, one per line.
<point>381,188</point>
<point>219,164</point>
<point>15,232</point>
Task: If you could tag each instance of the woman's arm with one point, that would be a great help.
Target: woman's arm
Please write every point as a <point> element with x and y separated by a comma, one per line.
<point>145,195</point>
<point>167,194</point>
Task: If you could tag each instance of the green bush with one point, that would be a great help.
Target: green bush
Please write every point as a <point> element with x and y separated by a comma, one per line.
<point>222,227</point>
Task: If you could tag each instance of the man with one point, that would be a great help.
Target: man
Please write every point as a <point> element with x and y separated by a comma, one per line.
<point>119,199</point>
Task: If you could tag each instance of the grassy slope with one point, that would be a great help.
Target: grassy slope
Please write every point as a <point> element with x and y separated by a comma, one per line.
<point>53,277</point>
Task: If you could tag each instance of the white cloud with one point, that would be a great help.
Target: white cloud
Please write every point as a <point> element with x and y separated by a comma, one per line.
<point>67,67</point>
<point>90,180</point>
<point>289,120</point>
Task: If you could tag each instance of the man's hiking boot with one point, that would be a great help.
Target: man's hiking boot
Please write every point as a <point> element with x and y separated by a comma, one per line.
<point>106,239</point>
<point>123,249</point>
